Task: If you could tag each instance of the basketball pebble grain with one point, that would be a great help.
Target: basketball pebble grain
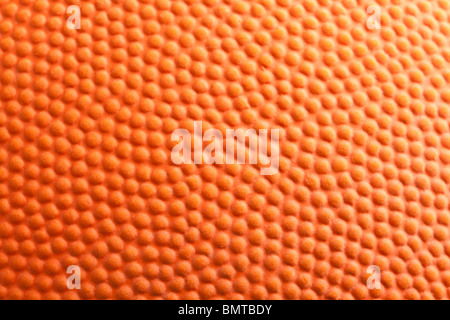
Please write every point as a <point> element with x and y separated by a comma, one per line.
<point>87,179</point>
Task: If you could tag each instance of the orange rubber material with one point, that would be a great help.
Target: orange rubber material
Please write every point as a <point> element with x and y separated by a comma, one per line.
<point>86,176</point>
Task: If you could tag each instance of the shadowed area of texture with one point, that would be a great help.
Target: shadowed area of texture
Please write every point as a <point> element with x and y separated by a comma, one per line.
<point>86,176</point>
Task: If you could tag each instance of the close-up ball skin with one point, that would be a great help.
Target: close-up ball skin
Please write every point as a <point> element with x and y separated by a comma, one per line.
<point>92,92</point>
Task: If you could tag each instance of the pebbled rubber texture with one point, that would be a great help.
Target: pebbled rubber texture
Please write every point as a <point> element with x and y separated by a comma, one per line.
<point>86,176</point>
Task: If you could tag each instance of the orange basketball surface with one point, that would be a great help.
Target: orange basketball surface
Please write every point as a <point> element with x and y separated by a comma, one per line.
<point>87,179</point>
